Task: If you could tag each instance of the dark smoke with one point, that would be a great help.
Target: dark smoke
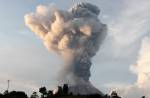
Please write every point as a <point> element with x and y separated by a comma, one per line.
<point>76,35</point>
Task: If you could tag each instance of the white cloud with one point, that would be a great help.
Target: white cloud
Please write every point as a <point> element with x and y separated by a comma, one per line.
<point>128,29</point>
<point>129,26</point>
<point>132,22</point>
<point>142,69</point>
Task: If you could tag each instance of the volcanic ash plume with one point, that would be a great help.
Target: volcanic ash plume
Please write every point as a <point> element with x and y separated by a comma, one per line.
<point>76,35</point>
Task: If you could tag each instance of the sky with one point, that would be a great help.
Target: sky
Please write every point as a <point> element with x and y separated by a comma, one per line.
<point>119,63</point>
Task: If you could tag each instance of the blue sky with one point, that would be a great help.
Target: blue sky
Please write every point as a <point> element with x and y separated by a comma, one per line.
<point>25,61</point>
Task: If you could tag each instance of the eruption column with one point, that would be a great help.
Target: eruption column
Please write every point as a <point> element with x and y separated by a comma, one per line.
<point>75,35</point>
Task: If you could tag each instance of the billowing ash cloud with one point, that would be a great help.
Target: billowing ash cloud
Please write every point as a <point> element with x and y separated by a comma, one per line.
<point>75,34</point>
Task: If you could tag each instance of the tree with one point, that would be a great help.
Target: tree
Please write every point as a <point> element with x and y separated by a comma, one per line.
<point>143,96</point>
<point>43,91</point>
<point>65,89</point>
<point>34,95</point>
<point>114,95</point>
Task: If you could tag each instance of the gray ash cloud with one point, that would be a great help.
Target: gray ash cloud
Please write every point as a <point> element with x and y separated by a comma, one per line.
<point>75,35</point>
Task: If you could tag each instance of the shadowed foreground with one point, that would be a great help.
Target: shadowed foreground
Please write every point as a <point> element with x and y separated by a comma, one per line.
<point>61,92</point>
